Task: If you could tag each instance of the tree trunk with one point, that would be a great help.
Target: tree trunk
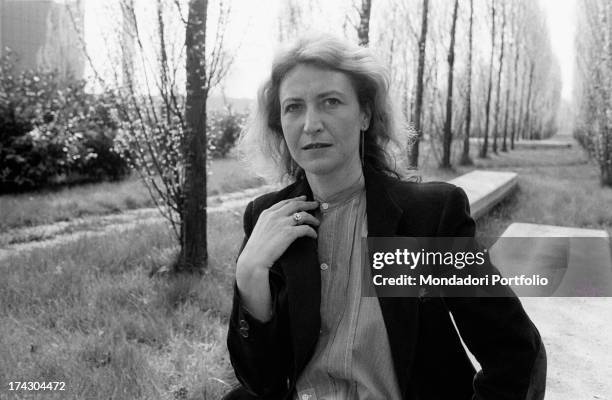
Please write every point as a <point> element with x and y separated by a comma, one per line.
<point>515,92</point>
<point>499,77</point>
<point>363,30</point>
<point>448,135</point>
<point>414,148</point>
<point>527,123</point>
<point>465,157</point>
<point>193,246</point>
<point>521,102</point>
<point>485,143</point>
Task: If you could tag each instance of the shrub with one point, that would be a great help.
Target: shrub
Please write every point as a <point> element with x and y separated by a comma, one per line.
<point>53,131</point>
<point>223,129</point>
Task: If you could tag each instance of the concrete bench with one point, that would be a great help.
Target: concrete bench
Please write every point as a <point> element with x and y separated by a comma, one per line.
<point>577,261</point>
<point>485,189</point>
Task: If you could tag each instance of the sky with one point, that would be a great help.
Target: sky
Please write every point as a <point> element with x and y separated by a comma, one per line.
<point>562,26</point>
<point>252,35</point>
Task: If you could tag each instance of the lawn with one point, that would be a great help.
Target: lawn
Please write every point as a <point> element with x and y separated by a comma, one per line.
<point>87,313</point>
<point>47,207</point>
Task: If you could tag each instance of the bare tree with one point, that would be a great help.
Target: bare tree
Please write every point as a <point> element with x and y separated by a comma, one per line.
<point>194,252</point>
<point>363,30</point>
<point>163,128</point>
<point>499,77</point>
<point>515,91</point>
<point>465,156</point>
<point>448,138</point>
<point>513,47</point>
<point>414,148</point>
<point>593,83</point>
<point>485,143</point>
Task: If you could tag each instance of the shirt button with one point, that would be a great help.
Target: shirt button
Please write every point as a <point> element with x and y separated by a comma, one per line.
<point>324,267</point>
<point>324,206</point>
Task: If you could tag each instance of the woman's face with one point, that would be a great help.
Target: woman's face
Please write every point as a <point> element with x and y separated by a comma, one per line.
<point>321,119</point>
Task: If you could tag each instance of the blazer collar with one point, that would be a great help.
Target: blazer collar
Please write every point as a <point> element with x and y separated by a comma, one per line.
<point>300,266</point>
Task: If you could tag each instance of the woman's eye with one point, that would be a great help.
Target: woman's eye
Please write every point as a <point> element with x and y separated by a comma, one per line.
<point>332,101</point>
<point>292,107</point>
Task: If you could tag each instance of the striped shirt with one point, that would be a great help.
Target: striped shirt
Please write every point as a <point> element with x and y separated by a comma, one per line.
<point>352,359</point>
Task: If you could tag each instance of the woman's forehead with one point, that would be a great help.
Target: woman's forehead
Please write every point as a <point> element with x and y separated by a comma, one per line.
<point>306,80</point>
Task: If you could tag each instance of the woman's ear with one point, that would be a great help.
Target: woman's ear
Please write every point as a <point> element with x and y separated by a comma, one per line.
<point>366,116</point>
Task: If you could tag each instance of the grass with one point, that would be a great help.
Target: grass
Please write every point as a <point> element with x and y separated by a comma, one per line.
<point>86,312</point>
<point>47,207</point>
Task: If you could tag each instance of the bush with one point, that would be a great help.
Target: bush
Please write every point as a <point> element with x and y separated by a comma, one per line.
<point>223,129</point>
<point>52,131</point>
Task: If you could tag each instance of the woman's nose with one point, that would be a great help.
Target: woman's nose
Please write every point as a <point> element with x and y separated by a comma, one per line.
<point>312,121</point>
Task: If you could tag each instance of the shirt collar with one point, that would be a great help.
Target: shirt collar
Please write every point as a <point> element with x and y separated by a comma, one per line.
<point>344,195</point>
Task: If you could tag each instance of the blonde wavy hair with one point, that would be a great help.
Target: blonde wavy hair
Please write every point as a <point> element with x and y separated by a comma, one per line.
<point>262,143</point>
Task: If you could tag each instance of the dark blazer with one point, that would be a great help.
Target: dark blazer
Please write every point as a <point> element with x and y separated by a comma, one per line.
<point>428,357</point>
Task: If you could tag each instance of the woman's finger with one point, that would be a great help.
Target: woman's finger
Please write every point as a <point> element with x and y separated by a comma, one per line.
<point>304,218</point>
<point>281,203</point>
<point>304,230</point>
<point>298,205</point>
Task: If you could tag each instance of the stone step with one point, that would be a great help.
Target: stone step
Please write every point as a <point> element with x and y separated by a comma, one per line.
<point>485,189</point>
<point>577,261</point>
<point>528,144</point>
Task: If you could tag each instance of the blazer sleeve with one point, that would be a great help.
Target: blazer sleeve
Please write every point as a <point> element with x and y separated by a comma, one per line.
<point>495,329</point>
<point>259,350</point>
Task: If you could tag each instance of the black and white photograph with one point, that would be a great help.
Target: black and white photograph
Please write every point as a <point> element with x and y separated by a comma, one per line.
<point>306,199</point>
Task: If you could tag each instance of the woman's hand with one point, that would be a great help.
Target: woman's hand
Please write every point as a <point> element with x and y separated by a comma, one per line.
<point>274,231</point>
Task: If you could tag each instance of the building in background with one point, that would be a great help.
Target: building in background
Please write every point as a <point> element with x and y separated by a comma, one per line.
<point>44,34</point>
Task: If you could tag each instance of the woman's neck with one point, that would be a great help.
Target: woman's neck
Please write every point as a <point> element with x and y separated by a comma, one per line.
<point>326,186</point>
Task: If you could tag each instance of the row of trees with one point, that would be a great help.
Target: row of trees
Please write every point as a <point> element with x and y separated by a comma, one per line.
<point>461,68</point>
<point>593,83</point>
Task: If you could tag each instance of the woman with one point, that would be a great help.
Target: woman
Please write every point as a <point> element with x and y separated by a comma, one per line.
<point>299,326</point>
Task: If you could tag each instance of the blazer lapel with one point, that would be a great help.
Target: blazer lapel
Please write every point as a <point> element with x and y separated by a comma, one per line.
<point>400,315</point>
<point>300,267</point>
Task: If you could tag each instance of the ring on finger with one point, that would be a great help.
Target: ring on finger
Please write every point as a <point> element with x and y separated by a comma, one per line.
<point>297,217</point>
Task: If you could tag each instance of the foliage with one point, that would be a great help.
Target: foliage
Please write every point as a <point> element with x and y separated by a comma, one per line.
<point>52,131</point>
<point>223,129</point>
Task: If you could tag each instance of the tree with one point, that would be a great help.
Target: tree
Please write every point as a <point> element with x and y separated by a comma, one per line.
<point>162,126</point>
<point>446,155</point>
<point>194,252</point>
<point>515,91</point>
<point>414,147</point>
<point>593,83</point>
<point>465,156</point>
<point>508,74</point>
<point>363,30</point>
<point>499,77</point>
<point>485,143</point>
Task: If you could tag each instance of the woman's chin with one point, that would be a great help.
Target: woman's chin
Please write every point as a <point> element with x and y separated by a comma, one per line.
<point>319,167</point>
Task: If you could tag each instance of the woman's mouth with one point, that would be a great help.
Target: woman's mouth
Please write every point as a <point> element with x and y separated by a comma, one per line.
<point>311,146</point>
